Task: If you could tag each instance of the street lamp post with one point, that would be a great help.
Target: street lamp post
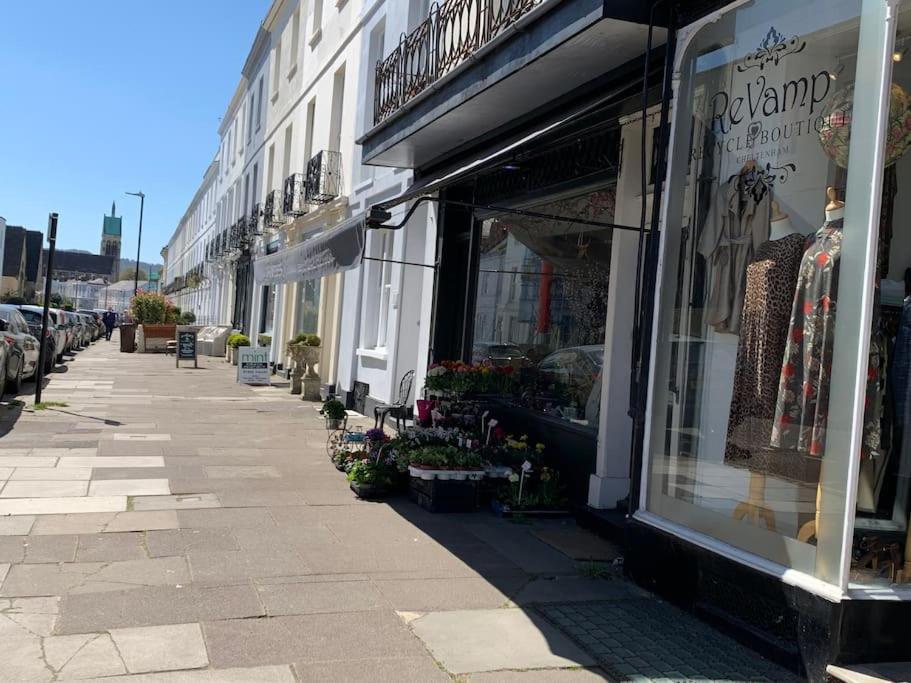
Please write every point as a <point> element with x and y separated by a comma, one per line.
<point>142,201</point>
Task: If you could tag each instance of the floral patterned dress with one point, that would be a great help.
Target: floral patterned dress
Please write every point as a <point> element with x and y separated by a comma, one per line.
<point>801,411</point>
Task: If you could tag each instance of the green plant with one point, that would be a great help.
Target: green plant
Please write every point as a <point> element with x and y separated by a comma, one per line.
<point>306,339</point>
<point>333,410</point>
<point>150,309</point>
<point>188,318</point>
<point>172,314</point>
<point>442,457</point>
<point>44,405</point>
<point>371,471</point>
<point>238,339</point>
<point>264,340</point>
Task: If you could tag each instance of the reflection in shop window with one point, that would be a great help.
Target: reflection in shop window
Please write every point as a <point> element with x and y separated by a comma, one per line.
<point>541,305</point>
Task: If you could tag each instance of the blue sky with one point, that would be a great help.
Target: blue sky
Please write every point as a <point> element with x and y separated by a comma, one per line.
<point>104,96</point>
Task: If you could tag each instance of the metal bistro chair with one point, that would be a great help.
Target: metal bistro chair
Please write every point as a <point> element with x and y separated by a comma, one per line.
<point>399,409</point>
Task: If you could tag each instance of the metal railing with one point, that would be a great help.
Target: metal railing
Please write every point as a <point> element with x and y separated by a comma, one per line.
<point>324,177</point>
<point>272,210</point>
<point>452,32</point>
<point>293,203</point>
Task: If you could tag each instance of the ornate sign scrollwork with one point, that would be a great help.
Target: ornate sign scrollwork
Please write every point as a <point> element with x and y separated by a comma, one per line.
<point>773,48</point>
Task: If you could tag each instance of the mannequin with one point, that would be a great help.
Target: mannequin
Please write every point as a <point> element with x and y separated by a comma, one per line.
<point>835,210</point>
<point>781,225</point>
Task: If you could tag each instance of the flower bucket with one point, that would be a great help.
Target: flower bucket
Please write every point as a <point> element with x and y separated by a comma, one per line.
<point>424,406</point>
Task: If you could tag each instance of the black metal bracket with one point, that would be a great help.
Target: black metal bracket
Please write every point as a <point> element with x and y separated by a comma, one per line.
<point>377,215</point>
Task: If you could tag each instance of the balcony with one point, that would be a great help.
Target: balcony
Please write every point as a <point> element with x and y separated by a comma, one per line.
<point>453,32</point>
<point>272,210</point>
<point>472,68</point>
<point>293,196</point>
<point>324,177</point>
<point>253,222</point>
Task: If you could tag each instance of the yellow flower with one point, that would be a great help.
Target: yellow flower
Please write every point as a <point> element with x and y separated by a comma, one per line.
<point>524,437</point>
<point>539,447</point>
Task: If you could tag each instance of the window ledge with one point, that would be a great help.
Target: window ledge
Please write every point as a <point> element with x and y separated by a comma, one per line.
<point>315,36</point>
<point>292,71</point>
<point>378,353</point>
<point>340,3</point>
<point>274,96</point>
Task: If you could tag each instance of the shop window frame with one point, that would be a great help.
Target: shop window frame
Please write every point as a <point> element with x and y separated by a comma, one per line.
<point>877,31</point>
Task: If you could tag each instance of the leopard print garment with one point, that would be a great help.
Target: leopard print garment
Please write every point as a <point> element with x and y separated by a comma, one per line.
<point>771,280</point>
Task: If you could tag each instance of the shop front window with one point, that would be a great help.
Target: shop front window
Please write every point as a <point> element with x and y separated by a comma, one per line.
<point>881,552</point>
<point>541,305</point>
<point>268,310</point>
<point>762,285</point>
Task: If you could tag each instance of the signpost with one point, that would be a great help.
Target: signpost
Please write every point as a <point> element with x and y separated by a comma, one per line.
<point>253,365</point>
<point>42,349</point>
<point>186,346</point>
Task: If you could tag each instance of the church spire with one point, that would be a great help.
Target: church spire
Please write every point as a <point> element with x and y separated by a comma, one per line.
<point>113,209</point>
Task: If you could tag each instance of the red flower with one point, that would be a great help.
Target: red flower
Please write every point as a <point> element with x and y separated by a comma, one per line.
<point>815,448</point>
<point>822,259</point>
<point>807,389</point>
<point>788,370</point>
<point>797,335</point>
<point>784,420</point>
<point>808,307</point>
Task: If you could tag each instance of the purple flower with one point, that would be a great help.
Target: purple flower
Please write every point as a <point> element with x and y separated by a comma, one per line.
<point>376,434</point>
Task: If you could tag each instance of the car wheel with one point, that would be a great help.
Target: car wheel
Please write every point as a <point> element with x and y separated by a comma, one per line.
<point>3,383</point>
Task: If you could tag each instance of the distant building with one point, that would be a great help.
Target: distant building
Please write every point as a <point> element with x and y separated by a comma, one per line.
<point>111,230</point>
<point>22,258</point>
<point>83,293</point>
<point>78,265</point>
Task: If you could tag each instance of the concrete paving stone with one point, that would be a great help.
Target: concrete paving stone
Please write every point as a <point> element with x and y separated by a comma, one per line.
<point>26,461</point>
<point>522,548</point>
<point>111,547</point>
<point>16,526</point>
<point>234,518</point>
<point>84,523</point>
<point>252,499</point>
<point>255,674</point>
<point>6,473</point>
<point>176,502</point>
<point>54,506</point>
<point>4,570</point>
<point>242,472</point>
<point>51,474</point>
<point>113,449</point>
<point>225,566</point>
<point>129,487</point>
<point>426,595</point>
<point>103,473</point>
<point>125,436</point>
<point>83,656</point>
<point>384,670</point>
<point>161,648</point>
<point>182,541</point>
<point>309,638</point>
<point>37,549</point>
<point>303,539</point>
<point>36,616</point>
<point>157,605</point>
<point>28,580</point>
<point>112,461</point>
<point>490,640</point>
<point>141,520</point>
<point>575,675</point>
<point>315,598</point>
<point>61,452</point>
<point>43,489</point>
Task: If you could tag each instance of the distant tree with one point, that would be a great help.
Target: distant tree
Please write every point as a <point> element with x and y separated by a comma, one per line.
<point>60,301</point>
<point>130,274</point>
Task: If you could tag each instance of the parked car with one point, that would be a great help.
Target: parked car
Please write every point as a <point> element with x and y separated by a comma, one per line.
<point>93,321</point>
<point>60,332</point>
<point>575,370</point>
<point>23,347</point>
<point>499,353</point>
<point>33,316</point>
<point>66,325</point>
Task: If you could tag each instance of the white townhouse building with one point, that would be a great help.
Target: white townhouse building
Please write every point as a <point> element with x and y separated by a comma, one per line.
<point>388,298</point>
<point>185,280</point>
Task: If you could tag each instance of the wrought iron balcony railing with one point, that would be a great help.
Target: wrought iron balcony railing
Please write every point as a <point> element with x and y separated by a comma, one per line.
<point>293,200</point>
<point>272,210</point>
<point>452,32</point>
<point>324,177</point>
<point>253,222</point>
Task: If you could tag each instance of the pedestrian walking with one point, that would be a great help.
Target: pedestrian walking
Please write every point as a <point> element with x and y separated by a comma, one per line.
<point>108,319</point>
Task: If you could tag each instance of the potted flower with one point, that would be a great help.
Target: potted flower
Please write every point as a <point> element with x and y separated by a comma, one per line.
<point>532,492</point>
<point>264,340</point>
<point>444,478</point>
<point>372,477</point>
<point>304,349</point>
<point>235,340</point>
<point>335,414</point>
<point>155,317</point>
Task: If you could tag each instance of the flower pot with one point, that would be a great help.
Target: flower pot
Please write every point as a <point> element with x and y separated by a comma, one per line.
<point>369,491</point>
<point>335,423</point>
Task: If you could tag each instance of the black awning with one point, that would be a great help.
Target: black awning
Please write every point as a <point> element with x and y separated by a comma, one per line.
<point>327,251</point>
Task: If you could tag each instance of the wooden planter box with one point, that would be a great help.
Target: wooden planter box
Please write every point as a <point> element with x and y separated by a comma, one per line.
<point>156,337</point>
